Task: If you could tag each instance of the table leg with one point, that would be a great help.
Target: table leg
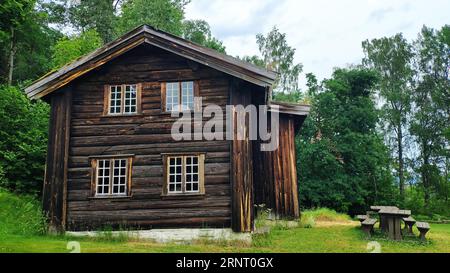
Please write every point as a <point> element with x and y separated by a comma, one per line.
<point>391,227</point>
<point>397,228</point>
<point>383,223</point>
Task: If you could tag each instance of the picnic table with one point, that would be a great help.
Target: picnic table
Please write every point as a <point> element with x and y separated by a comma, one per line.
<point>383,223</point>
<point>392,218</point>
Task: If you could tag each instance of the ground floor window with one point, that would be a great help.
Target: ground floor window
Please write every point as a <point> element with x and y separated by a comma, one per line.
<point>184,174</point>
<point>112,176</point>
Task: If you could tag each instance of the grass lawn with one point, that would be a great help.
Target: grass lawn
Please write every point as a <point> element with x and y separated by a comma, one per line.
<point>328,238</point>
<point>320,230</point>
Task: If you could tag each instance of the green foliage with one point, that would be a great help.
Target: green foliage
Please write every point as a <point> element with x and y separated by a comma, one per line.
<point>198,31</point>
<point>343,163</point>
<point>256,60</point>
<point>293,97</point>
<point>69,49</point>
<point>166,15</point>
<point>14,12</point>
<point>23,141</point>
<point>392,59</point>
<point>431,116</point>
<point>98,15</point>
<point>279,57</point>
<point>20,215</point>
<point>26,41</point>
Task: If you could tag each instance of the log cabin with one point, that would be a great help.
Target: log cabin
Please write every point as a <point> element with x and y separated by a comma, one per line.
<point>111,159</point>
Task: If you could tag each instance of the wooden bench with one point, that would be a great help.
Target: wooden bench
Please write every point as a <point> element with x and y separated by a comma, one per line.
<point>409,223</point>
<point>361,218</point>
<point>367,226</point>
<point>423,228</point>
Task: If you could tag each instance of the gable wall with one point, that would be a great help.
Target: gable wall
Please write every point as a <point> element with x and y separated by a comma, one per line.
<point>146,136</point>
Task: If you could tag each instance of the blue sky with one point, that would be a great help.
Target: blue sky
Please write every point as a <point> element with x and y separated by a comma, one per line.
<point>326,34</point>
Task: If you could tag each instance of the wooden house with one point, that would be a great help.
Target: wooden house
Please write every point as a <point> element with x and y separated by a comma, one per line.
<point>112,161</point>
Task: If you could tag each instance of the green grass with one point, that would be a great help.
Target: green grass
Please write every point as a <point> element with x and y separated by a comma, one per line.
<point>297,240</point>
<point>20,215</point>
<point>21,231</point>
<point>324,214</point>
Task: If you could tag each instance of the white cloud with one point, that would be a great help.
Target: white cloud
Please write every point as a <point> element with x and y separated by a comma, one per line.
<point>326,34</point>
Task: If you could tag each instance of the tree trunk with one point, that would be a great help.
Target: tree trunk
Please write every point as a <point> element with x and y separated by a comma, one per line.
<point>426,174</point>
<point>400,162</point>
<point>12,53</point>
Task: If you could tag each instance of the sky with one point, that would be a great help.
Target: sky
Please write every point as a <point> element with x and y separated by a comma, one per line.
<point>325,33</point>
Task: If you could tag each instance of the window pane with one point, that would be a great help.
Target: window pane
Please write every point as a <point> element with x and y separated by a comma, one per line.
<point>172,96</point>
<point>102,177</point>
<point>191,171</point>
<point>119,177</point>
<point>130,99</point>
<point>115,99</point>
<point>175,174</point>
<point>187,90</point>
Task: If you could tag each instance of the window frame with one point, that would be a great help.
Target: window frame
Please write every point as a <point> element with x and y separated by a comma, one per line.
<point>108,102</point>
<point>195,93</point>
<point>201,174</point>
<point>95,174</point>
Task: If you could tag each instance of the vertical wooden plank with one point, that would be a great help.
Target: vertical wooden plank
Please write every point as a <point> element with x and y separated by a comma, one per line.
<point>93,176</point>
<point>129,175</point>
<point>163,97</point>
<point>139,98</point>
<point>202,173</point>
<point>165,174</point>
<point>242,166</point>
<point>106,96</point>
<point>66,130</point>
<point>55,183</point>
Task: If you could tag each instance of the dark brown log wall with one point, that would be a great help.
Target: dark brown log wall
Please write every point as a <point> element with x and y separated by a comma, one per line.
<point>276,174</point>
<point>146,136</point>
<point>242,163</point>
<point>55,181</point>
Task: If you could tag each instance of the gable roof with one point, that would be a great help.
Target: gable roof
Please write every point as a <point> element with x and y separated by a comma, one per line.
<point>146,34</point>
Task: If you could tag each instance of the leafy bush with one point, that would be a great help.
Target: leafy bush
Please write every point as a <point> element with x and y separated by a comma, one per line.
<point>20,215</point>
<point>23,141</point>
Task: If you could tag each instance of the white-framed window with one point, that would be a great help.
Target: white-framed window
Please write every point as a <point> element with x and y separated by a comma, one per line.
<point>115,99</point>
<point>179,96</point>
<point>175,174</point>
<point>123,99</point>
<point>172,96</point>
<point>192,177</point>
<point>184,174</point>
<point>130,99</point>
<point>112,176</point>
<point>187,96</point>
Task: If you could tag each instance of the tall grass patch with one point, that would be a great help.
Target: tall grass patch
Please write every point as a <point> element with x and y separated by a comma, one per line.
<point>20,215</point>
<point>325,215</point>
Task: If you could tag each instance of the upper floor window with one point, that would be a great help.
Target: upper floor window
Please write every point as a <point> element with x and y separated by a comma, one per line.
<point>178,96</point>
<point>112,176</point>
<point>123,99</point>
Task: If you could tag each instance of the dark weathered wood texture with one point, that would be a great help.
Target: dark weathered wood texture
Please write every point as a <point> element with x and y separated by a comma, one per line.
<point>55,190</point>
<point>276,174</point>
<point>242,162</point>
<point>146,136</point>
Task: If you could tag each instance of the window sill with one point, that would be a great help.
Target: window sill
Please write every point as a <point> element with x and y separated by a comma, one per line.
<point>122,115</point>
<point>182,196</point>
<point>111,197</point>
